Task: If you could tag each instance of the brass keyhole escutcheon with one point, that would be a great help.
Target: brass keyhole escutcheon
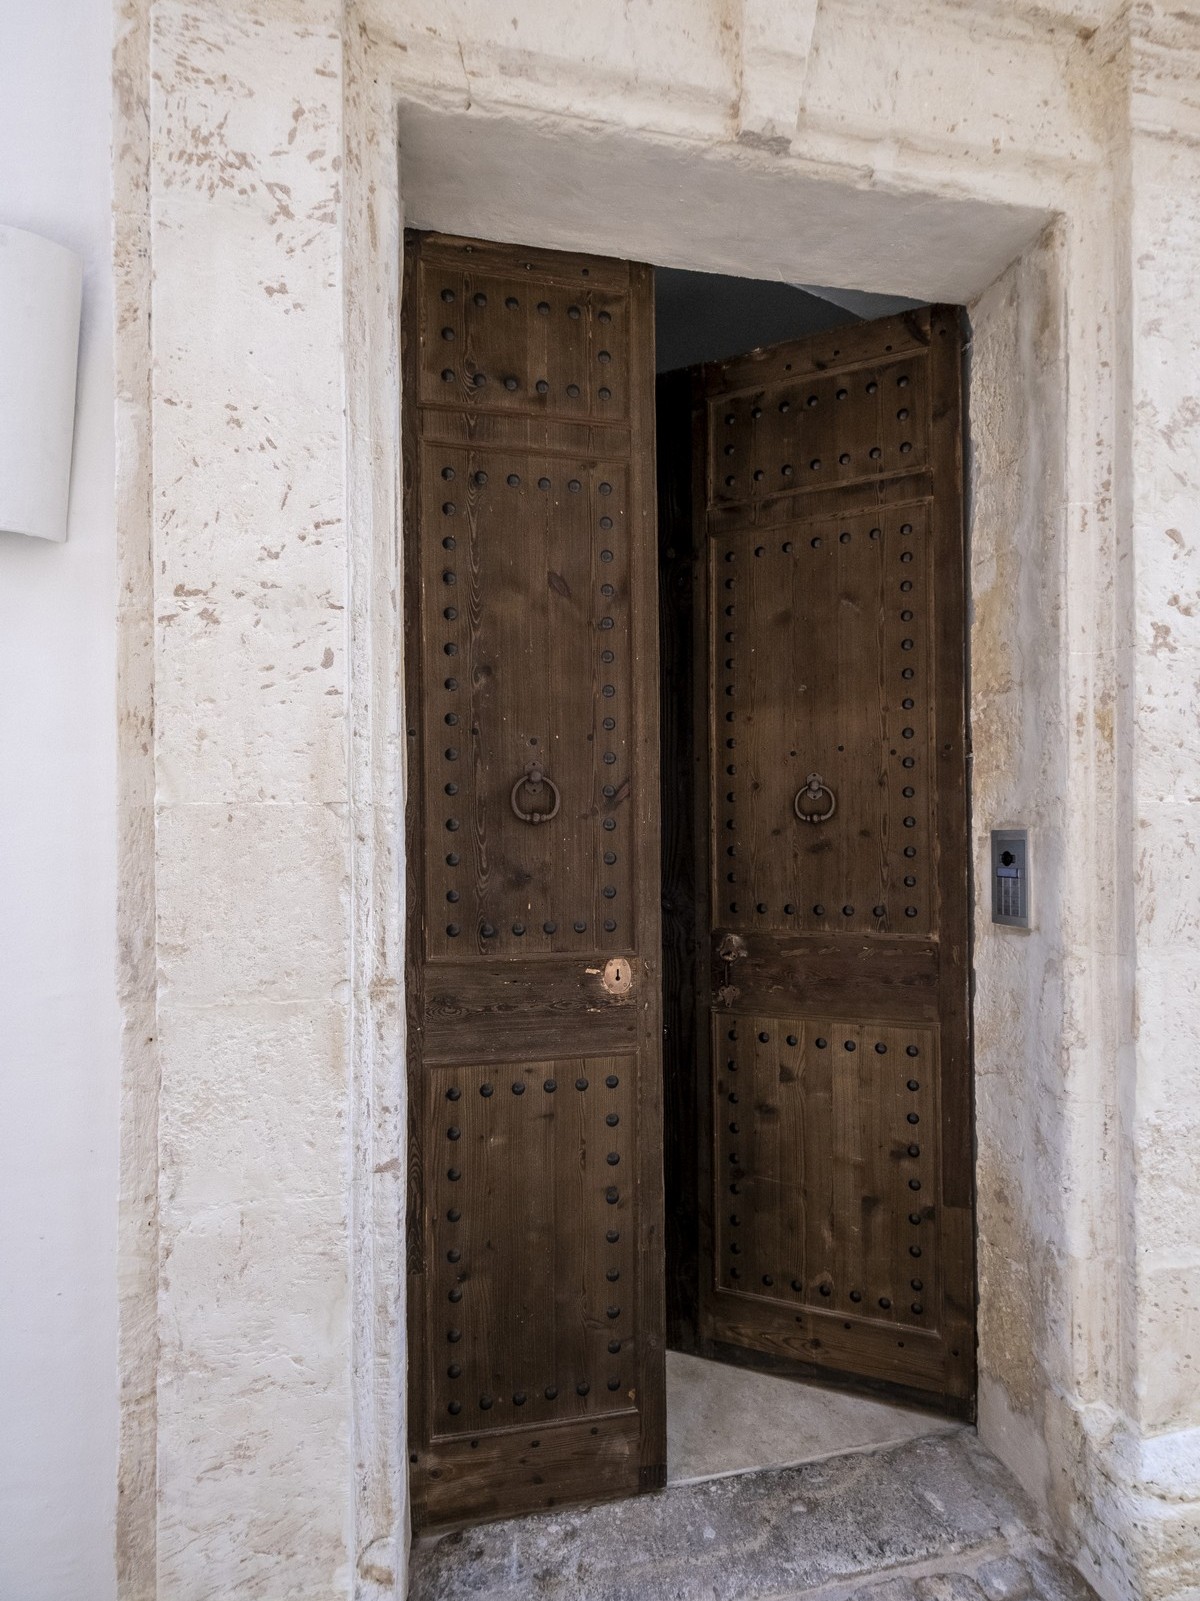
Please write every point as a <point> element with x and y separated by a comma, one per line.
<point>618,975</point>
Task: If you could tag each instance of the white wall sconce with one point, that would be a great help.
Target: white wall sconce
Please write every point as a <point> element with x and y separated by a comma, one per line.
<point>41,290</point>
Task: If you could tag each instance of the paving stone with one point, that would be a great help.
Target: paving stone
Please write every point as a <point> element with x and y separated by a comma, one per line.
<point>949,1587</point>
<point>889,1590</point>
<point>939,1505</point>
<point>1006,1580</point>
<point>1052,1580</point>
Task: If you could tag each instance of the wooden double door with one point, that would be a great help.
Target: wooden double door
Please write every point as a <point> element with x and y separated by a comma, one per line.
<point>811,856</point>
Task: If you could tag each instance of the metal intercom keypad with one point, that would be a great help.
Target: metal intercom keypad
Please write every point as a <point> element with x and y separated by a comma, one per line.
<point>1010,877</point>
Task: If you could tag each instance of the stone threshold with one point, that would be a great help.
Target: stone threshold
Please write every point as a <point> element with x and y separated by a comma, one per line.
<point>932,1519</point>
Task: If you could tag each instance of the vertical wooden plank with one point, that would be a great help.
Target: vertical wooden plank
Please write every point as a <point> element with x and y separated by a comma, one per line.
<point>707,865</point>
<point>643,586</point>
<point>956,1084</point>
<point>417,1206</point>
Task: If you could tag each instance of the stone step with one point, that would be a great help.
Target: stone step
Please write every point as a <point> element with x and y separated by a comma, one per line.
<point>933,1519</point>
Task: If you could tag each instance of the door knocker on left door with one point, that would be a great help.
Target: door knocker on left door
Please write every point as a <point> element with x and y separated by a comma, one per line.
<point>534,779</point>
<point>814,787</point>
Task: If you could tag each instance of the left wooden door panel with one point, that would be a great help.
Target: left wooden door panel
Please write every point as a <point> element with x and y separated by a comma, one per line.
<point>535,1236</point>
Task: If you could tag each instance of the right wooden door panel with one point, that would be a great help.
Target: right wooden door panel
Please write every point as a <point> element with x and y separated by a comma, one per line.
<point>837,1145</point>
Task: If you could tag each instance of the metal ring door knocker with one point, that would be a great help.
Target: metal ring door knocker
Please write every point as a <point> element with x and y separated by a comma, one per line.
<point>534,779</point>
<point>814,787</point>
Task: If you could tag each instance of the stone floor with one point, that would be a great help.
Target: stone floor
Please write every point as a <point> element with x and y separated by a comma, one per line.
<point>723,1419</point>
<point>931,1518</point>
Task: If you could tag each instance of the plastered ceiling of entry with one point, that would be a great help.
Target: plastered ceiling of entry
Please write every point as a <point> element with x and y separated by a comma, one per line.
<point>722,210</point>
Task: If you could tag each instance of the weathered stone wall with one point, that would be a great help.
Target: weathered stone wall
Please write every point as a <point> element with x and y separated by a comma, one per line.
<point>1033,162</point>
<point>252,830</point>
<point>1021,749</point>
<point>1164,247</point>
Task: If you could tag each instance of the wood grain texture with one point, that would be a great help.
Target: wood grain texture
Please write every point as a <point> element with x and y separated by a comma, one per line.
<point>535,1248</point>
<point>890,978</point>
<point>503,1011</point>
<point>829,520</point>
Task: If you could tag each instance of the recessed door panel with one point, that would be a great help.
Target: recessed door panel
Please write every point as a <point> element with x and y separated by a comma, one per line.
<point>527,648</point>
<point>795,432</point>
<point>828,1146</point>
<point>535,1243</point>
<point>815,629</point>
<point>837,1146</point>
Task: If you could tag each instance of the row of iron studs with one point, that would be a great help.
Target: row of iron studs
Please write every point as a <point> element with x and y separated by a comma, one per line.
<point>511,382</point>
<point>787,470</point>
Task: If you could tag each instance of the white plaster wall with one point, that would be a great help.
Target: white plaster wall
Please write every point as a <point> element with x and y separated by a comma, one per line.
<point>59,1034</point>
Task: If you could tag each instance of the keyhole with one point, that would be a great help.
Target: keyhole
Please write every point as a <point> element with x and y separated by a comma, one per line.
<point>618,976</point>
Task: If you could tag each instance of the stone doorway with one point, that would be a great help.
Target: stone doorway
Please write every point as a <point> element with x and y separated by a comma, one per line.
<point>481,201</point>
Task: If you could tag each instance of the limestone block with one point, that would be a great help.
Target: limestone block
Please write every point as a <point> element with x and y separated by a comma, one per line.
<point>252,1493</point>
<point>249,495</point>
<point>253,1105</point>
<point>1167,865</point>
<point>668,64</point>
<point>251,903</point>
<point>1169,1317</point>
<point>775,45</point>
<point>253,1402</point>
<point>245,175</point>
<point>1168,716</point>
<point>248,106</point>
<point>1167,1027</point>
<point>947,84</point>
<point>257,1291</point>
<point>1168,1138</point>
<point>251,700</point>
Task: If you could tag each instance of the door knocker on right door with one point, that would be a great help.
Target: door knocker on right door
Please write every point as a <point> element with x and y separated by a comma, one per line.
<point>814,787</point>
